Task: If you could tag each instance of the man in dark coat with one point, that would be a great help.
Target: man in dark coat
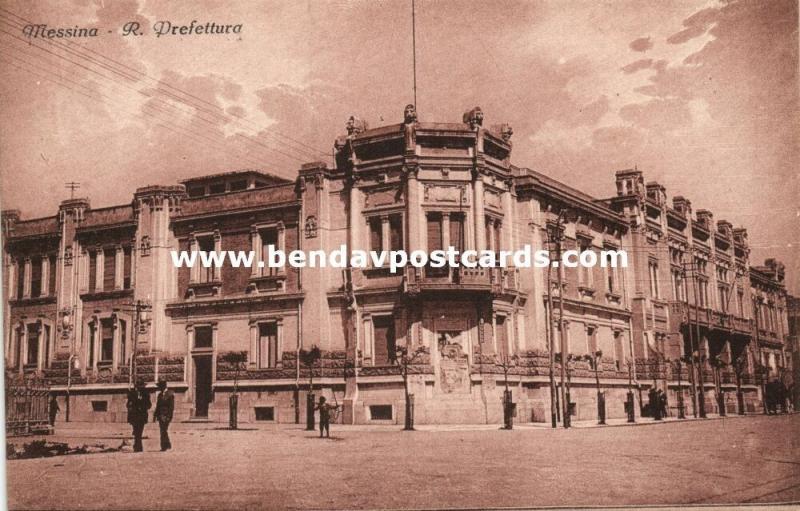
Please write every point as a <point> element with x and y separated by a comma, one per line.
<point>165,406</point>
<point>53,410</point>
<point>138,407</point>
<point>324,416</point>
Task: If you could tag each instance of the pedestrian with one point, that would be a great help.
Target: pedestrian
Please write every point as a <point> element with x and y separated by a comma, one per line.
<point>652,403</point>
<point>165,405</point>
<point>53,410</point>
<point>324,416</point>
<point>662,403</point>
<point>138,406</point>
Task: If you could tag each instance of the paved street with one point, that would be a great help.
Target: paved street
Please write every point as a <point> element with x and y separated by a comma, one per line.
<point>752,459</point>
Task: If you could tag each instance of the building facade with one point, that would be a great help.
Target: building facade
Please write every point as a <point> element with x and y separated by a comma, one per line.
<point>91,293</point>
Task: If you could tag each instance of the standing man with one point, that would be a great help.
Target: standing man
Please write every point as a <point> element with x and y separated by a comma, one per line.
<point>165,405</point>
<point>138,406</point>
<point>53,409</point>
<point>324,417</point>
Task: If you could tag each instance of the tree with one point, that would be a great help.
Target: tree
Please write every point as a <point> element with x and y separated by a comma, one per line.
<point>404,360</point>
<point>594,360</point>
<point>506,362</point>
<point>309,359</point>
<point>237,359</point>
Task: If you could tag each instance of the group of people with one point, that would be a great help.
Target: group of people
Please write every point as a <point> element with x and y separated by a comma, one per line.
<point>138,412</point>
<point>657,403</point>
<point>777,396</point>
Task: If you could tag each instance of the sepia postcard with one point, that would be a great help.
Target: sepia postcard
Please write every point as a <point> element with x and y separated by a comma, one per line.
<point>400,254</point>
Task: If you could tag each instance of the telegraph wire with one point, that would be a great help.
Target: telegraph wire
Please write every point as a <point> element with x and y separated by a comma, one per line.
<point>305,148</point>
<point>204,141</point>
<point>149,96</point>
<point>259,164</point>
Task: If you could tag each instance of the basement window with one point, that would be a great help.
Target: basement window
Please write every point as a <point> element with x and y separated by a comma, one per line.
<point>380,412</point>
<point>99,406</point>
<point>265,413</point>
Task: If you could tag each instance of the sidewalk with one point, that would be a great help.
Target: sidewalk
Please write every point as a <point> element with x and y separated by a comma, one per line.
<point>108,433</point>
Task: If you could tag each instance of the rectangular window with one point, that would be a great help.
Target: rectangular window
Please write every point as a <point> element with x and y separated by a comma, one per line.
<point>20,333</point>
<point>203,336</point>
<point>380,412</point>
<point>238,185</point>
<point>396,232</point>
<point>92,271</point>
<point>20,279</point>
<point>375,234</point>
<point>384,341</point>
<point>502,336</point>
<point>269,238</point>
<point>457,232</point>
<point>127,266</point>
<point>206,244</point>
<point>109,268</point>
<point>196,191</point>
<point>32,357</point>
<point>46,343</point>
<point>653,267</point>
<point>591,339</point>
<point>51,277</point>
<point>267,345</point>
<point>217,188</point>
<point>619,350</point>
<point>435,242</point>
<point>106,340</point>
<point>265,413</point>
<point>123,342</point>
<point>92,333</point>
<point>99,406</point>
<point>36,277</point>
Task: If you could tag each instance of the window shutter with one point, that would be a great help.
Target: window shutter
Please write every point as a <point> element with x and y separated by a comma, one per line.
<point>375,235</point>
<point>383,329</point>
<point>109,268</point>
<point>457,232</point>
<point>434,233</point>
<point>92,271</point>
<point>396,232</point>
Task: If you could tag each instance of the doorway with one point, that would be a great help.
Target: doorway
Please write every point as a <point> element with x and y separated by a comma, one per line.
<point>202,385</point>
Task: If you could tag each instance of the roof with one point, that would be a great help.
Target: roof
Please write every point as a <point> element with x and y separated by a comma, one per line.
<point>271,178</point>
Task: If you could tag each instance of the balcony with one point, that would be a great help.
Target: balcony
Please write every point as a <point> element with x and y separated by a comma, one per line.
<point>709,318</point>
<point>497,281</point>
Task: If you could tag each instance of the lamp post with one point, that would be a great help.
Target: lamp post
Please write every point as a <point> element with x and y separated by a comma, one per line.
<point>594,359</point>
<point>701,398</point>
<point>681,412</point>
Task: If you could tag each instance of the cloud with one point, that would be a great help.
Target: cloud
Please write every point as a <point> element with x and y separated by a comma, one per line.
<point>637,66</point>
<point>696,25</point>
<point>641,44</point>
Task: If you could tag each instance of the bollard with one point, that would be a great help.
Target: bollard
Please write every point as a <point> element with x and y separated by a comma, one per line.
<point>508,410</point>
<point>629,405</point>
<point>310,412</point>
<point>601,408</point>
<point>233,418</point>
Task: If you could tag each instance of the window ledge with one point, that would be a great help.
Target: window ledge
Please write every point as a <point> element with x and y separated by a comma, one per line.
<point>202,289</point>
<point>586,292</point>
<point>266,283</point>
<point>34,301</point>
<point>614,297</point>
<point>100,295</point>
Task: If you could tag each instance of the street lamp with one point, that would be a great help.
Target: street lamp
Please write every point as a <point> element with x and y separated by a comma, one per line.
<point>594,360</point>
<point>681,412</point>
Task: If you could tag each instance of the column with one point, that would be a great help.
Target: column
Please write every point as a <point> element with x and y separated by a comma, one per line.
<point>119,267</point>
<point>99,263</point>
<point>480,220</point>
<point>508,218</point>
<point>26,286</point>
<point>252,360</point>
<point>194,271</point>
<point>45,286</point>
<point>13,275</point>
<point>412,209</point>
<point>385,234</point>
<point>355,219</point>
<point>256,248</point>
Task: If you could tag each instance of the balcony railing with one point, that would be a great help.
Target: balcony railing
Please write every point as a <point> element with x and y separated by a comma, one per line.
<point>494,280</point>
<point>709,317</point>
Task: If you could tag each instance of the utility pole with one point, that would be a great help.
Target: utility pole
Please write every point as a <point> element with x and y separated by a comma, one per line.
<point>701,399</point>
<point>558,235</point>
<point>692,378</point>
<point>550,336</point>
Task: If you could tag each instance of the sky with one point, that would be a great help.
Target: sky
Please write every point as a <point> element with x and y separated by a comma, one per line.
<point>702,96</point>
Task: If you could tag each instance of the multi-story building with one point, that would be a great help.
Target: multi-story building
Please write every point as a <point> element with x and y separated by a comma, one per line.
<point>91,293</point>
<point>793,313</point>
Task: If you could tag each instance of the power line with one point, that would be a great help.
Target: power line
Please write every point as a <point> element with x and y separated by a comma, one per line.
<point>138,91</point>
<point>308,149</point>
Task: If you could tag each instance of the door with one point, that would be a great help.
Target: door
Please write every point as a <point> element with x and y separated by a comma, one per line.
<point>202,385</point>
